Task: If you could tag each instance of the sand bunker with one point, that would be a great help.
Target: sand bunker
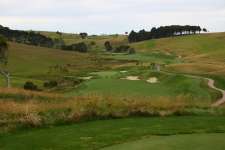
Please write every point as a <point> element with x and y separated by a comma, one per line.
<point>86,78</point>
<point>132,78</point>
<point>123,71</point>
<point>152,80</point>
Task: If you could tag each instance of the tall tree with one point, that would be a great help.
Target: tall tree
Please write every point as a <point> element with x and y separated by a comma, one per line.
<point>83,35</point>
<point>4,60</point>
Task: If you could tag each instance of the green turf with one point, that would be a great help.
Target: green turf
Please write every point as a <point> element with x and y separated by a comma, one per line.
<point>157,57</point>
<point>105,74</point>
<point>176,142</point>
<point>173,85</point>
<point>98,134</point>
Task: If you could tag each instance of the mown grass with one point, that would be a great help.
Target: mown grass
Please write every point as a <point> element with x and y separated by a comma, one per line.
<point>99,134</point>
<point>175,142</point>
<point>155,56</point>
<point>110,83</point>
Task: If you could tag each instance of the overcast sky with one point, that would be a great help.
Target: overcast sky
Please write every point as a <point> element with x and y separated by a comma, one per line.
<point>110,16</point>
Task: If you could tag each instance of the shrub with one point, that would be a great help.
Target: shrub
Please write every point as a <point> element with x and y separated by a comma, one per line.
<point>108,46</point>
<point>77,82</point>
<point>92,43</point>
<point>50,84</point>
<point>124,49</point>
<point>30,86</point>
<point>79,47</point>
<point>132,51</point>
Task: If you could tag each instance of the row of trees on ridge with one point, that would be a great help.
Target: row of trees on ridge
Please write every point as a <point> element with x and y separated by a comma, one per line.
<point>164,31</point>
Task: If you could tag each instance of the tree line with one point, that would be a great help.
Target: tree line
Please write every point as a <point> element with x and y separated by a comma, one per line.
<point>164,31</point>
<point>26,37</point>
<point>37,39</point>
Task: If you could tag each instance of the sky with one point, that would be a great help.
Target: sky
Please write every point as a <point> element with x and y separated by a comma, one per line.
<point>110,16</point>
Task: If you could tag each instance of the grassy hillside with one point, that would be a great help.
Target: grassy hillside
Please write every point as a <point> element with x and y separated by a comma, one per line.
<point>38,63</point>
<point>200,54</point>
<point>210,44</point>
<point>30,60</point>
<point>97,40</point>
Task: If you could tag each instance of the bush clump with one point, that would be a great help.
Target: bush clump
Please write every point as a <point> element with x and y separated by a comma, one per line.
<point>30,86</point>
<point>124,49</point>
<point>78,47</point>
<point>50,84</point>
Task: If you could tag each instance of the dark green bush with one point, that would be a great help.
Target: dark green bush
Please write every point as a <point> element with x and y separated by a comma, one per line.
<point>30,86</point>
<point>50,84</point>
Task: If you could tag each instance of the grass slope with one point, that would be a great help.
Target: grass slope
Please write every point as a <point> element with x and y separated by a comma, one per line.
<point>201,54</point>
<point>27,60</point>
<point>205,43</point>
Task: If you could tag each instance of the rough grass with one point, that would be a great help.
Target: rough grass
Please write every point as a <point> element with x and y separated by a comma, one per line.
<point>17,94</point>
<point>204,43</point>
<point>202,54</point>
<point>37,113</point>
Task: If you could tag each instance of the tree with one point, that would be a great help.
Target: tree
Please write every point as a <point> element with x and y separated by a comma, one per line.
<point>83,35</point>
<point>4,60</point>
<point>108,46</point>
<point>204,30</point>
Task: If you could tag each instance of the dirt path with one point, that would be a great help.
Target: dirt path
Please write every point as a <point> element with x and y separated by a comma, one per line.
<point>211,84</point>
<point>221,100</point>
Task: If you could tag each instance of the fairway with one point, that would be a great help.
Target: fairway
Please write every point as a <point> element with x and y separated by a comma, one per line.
<point>171,85</point>
<point>176,142</point>
<point>99,134</point>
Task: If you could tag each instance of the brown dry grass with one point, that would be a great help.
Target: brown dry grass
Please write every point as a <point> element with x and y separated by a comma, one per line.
<point>33,113</point>
<point>26,94</point>
<point>198,68</point>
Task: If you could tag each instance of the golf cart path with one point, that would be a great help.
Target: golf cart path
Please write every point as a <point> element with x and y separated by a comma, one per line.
<point>211,84</point>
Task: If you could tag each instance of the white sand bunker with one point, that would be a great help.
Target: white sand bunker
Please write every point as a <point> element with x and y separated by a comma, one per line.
<point>152,80</point>
<point>86,78</point>
<point>124,71</point>
<point>132,78</point>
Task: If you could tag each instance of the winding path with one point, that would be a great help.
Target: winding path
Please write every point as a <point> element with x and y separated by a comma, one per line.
<point>221,100</point>
<point>211,84</point>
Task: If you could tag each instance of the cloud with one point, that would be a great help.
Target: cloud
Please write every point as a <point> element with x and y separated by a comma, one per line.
<point>110,16</point>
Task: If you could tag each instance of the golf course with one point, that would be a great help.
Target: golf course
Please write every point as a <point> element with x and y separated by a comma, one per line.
<point>162,89</point>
